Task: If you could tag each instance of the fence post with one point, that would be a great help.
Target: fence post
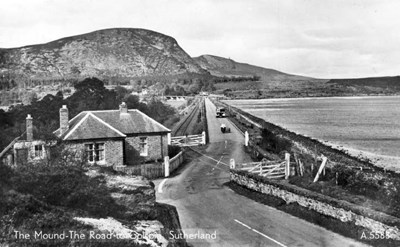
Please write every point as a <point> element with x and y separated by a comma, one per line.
<point>166,166</point>
<point>169,138</point>
<point>246,138</point>
<point>232,164</point>
<point>203,138</point>
<point>10,160</point>
<point>287,168</point>
<point>324,160</point>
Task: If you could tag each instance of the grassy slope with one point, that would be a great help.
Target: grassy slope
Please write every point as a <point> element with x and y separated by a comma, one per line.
<point>276,84</point>
<point>220,66</point>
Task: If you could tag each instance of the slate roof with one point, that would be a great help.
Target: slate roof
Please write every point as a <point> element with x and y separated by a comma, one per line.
<point>110,124</point>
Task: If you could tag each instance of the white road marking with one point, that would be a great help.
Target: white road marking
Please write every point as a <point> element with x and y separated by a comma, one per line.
<point>248,227</point>
<point>211,158</point>
<point>161,185</point>
<point>213,165</point>
<point>262,234</point>
<point>220,159</point>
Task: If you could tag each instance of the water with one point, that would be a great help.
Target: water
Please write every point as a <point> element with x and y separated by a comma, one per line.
<point>369,124</point>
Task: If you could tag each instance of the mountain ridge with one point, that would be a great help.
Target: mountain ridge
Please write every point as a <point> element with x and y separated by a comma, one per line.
<point>115,52</point>
<point>220,66</point>
<point>144,58</point>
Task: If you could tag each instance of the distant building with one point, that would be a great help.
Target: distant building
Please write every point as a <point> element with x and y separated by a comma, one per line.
<point>109,137</point>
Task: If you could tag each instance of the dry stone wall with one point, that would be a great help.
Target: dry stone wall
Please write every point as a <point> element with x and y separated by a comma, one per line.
<point>344,215</point>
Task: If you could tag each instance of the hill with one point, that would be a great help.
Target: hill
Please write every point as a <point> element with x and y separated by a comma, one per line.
<point>154,62</point>
<point>220,66</point>
<point>376,82</point>
<point>110,53</point>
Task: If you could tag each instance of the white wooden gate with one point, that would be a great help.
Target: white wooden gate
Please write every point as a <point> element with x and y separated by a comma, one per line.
<point>265,168</point>
<point>188,140</point>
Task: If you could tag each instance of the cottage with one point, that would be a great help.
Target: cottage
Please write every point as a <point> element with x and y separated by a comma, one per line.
<point>108,137</point>
<point>29,150</point>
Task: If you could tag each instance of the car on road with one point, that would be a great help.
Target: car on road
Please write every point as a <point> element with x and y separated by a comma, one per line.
<point>221,112</point>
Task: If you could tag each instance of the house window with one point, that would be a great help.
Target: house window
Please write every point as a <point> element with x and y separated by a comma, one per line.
<point>38,151</point>
<point>95,152</point>
<point>144,147</point>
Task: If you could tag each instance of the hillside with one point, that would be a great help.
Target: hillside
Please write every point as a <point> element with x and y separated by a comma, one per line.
<point>377,82</point>
<point>220,66</point>
<point>109,53</point>
<point>154,62</point>
<point>270,83</point>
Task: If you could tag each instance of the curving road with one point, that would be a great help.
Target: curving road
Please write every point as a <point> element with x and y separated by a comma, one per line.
<point>205,205</point>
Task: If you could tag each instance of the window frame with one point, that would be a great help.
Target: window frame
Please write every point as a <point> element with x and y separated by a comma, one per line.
<point>38,154</point>
<point>95,150</point>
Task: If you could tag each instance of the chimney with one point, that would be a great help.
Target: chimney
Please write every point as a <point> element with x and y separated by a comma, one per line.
<point>123,108</point>
<point>63,119</point>
<point>29,128</point>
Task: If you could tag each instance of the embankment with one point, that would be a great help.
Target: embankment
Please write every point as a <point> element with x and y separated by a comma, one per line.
<point>367,202</point>
<point>359,217</point>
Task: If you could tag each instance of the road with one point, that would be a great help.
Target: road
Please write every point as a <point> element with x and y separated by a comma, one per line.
<point>205,205</point>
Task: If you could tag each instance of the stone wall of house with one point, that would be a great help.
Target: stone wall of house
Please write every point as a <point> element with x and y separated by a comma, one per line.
<point>342,214</point>
<point>114,154</point>
<point>157,148</point>
<point>24,152</point>
<point>113,151</point>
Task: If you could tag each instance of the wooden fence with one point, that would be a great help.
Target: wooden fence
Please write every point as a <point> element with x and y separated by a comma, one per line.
<point>149,171</point>
<point>175,162</point>
<point>154,170</point>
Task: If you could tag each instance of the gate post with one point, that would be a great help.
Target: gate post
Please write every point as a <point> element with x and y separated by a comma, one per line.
<point>287,167</point>
<point>324,160</point>
<point>232,164</point>
<point>246,138</point>
<point>166,166</point>
<point>169,138</point>
<point>203,138</point>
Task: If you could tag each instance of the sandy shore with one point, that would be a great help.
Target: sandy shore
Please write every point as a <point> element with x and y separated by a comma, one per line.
<point>384,161</point>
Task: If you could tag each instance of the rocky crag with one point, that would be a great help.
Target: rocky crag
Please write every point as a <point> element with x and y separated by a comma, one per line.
<point>118,52</point>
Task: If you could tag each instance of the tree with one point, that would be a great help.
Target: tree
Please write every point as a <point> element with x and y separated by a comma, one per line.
<point>133,102</point>
<point>91,94</point>
<point>121,92</point>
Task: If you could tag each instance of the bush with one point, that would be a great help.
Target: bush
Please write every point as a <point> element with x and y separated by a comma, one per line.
<point>66,186</point>
<point>5,173</point>
<point>274,143</point>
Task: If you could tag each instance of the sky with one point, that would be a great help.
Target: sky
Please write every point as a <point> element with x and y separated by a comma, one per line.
<point>317,38</point>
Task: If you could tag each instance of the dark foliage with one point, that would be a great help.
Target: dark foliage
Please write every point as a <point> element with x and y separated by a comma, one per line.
<point>382,82</point>
<point>274,143</point>
<point>237,78</point>
<point>66,186</point>
<point>90,94</point>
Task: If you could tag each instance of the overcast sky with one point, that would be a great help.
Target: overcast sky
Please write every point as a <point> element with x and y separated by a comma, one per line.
<point>319,38</point>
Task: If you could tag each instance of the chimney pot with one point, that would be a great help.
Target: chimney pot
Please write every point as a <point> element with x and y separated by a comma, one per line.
<point>123,108</point>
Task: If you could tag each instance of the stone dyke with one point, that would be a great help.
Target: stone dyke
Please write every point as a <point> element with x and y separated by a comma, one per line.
<point>343,211</point>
